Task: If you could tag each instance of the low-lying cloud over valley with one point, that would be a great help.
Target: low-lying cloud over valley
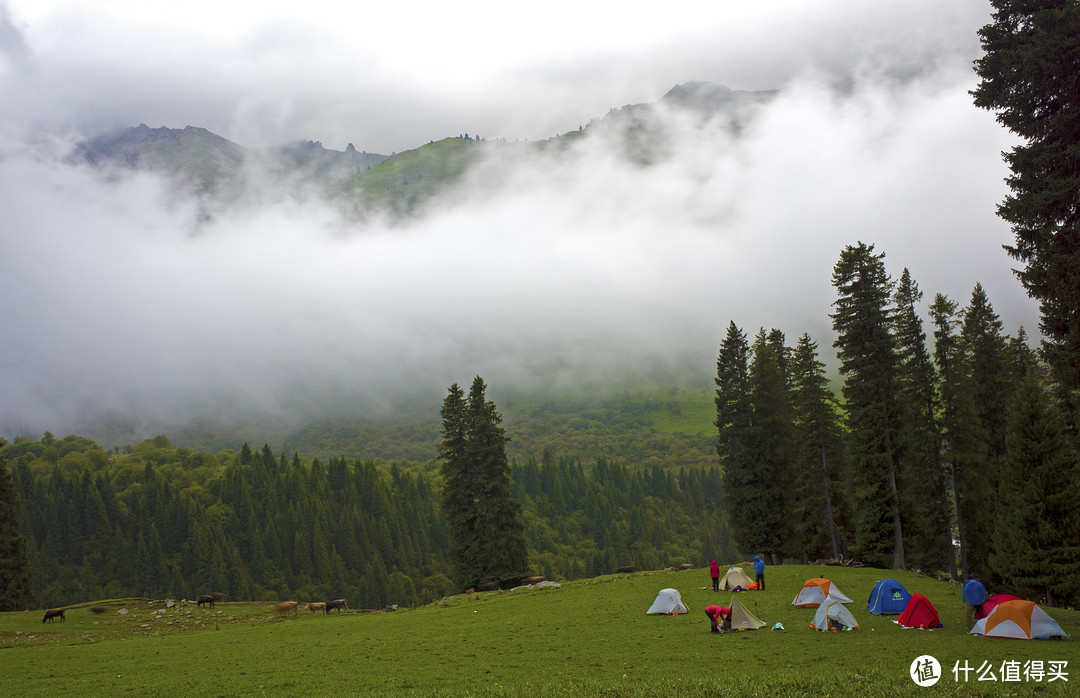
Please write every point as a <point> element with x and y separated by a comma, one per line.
<point>122,299</point>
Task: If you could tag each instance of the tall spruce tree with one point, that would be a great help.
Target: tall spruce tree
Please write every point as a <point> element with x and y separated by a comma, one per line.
<point>1037,528</point>
<point>818,450</point>
<point>1029,77</point>
<point>15,575</point>
<point>734,443</point>
<point>770,461</point>
<point>992,384</point>
<point>964,445</point>
<point>487,535</point>
<point>923,500</point>
<point>869,365</point>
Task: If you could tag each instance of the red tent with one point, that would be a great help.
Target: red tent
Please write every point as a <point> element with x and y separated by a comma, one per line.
<point>920,613</point>
<point>989,604</point>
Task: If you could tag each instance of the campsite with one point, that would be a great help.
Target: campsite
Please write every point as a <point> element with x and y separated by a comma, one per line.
<point>588,637</point>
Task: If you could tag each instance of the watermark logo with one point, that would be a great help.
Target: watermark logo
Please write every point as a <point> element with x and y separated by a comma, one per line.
<point>925,670</point>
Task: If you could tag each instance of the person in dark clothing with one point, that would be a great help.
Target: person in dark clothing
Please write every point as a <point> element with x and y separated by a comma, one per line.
<point>714,572</point>
<point>759,572</point>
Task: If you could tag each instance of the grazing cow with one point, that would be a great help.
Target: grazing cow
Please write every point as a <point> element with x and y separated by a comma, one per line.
<point>337,605</point>
<point>218,596</point>
<point>207,599</point>
<point>53,613</point>
<point>286,606</point>
<point>316,606</point>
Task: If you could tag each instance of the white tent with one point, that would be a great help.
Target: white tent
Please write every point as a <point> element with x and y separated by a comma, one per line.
<point>668,601</point>
<point>814,591</point>
<point>735,577</point>
<point>835,610</point>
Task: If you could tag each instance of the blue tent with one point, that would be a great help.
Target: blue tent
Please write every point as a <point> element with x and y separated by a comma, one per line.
<point>888,596</point>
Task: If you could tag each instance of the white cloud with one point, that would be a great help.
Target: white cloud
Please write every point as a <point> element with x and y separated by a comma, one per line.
<point>551,271</point>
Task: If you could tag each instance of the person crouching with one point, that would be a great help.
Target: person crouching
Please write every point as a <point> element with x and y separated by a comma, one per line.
<point>719,618</point>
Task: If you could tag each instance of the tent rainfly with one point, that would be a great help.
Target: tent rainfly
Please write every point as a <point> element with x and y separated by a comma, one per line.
<point>1022,620</point>
<point>735,577</point>
<point>668,602</point>
<point>814,591</point>
<point>888,596</point>
<point>831,609</point>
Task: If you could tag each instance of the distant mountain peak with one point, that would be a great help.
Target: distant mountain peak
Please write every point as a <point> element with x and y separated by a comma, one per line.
<point>710,95</point>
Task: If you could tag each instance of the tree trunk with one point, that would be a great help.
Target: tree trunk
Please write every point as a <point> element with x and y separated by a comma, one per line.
<point>828,497</point>
<point>959,519</point>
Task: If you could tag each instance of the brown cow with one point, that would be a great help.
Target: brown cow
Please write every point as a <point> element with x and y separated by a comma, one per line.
<point>337,605</point>
<point>53,613</point>
<point>316,606</point>
<point>286,606</point>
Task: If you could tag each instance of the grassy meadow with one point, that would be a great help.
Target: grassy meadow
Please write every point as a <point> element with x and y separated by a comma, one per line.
<point>589,637</point>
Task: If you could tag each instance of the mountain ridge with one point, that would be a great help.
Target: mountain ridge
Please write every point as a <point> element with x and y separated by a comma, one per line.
<point>213,168</point>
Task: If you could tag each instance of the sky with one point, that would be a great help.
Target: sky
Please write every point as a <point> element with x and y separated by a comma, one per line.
<point>545,275</point>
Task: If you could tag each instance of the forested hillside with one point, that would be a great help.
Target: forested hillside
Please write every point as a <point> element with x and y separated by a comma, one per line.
<point>166,521</point>
<point>668,424</point>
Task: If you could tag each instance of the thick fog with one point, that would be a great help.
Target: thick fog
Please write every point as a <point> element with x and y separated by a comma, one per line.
<point>539,272</point>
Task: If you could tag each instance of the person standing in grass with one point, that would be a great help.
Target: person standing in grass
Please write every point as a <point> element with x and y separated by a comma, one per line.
<point>719,617</point>
<point>759,571</point>
<point>974,595</point>
<point>714,572</point>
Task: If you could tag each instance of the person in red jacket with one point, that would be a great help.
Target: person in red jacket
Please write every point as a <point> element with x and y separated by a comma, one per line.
<point>714,572</point>
<point>719,617</point>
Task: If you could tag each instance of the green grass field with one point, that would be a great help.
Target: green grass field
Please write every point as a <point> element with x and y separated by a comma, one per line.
<point>590,637</point>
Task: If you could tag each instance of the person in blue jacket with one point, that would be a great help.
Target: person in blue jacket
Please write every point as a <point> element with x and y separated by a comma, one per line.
<point>759,571</point>
<point>974,594</point>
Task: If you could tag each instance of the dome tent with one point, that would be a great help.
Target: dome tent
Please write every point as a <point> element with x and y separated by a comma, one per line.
<point>668,602</point>
<point>814,591</point>
<point>919,613</point>
<point>1022,620</point>
<point>833,610</point>
<point>888,596</point>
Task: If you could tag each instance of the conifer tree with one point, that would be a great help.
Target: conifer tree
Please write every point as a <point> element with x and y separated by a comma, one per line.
<point>869,365</point>
<point>1037,527</point>
<point>1028,76</point>
<point>486,529</point>
<point>15,573</point>
<point>923,500</point>
<point>734,442</point>
<point>770,461</point>
<point>991,384</point>
<point>818,449</point>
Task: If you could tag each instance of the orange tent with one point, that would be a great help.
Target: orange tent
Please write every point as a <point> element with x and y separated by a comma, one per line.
<point>1022,620</point>
<point>814,591</point>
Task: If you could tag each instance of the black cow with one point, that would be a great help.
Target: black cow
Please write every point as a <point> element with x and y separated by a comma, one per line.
<point>206,598</point>
<point>337,604</point>
<point>54,613</point>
